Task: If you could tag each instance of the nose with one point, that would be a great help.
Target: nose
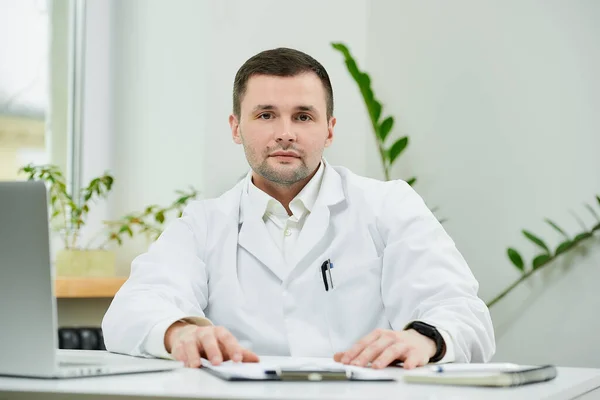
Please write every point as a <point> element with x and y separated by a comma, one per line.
<point>285,134</point>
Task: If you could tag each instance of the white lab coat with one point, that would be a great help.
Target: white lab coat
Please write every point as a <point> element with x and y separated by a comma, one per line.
<point>393,263</point>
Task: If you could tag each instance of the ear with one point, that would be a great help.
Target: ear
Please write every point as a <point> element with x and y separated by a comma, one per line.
<point>234,124</point>
<point>330,126</point>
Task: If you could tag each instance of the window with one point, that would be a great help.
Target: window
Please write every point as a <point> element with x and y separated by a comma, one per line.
<point>24,43</point>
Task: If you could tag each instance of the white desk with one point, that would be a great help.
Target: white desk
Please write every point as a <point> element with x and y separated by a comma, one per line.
<point>195,383</point>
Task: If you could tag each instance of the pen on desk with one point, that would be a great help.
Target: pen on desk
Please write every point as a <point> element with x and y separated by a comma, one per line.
<point>492,367</point>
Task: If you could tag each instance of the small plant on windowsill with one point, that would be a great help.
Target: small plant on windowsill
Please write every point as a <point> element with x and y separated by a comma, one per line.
<point>150,221</point>
<point>68,215</point>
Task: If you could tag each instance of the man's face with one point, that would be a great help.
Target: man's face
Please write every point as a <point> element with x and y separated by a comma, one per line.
<point>283,126</point>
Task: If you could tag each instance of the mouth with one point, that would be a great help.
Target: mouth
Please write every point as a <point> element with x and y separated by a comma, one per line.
<point>285,155</point>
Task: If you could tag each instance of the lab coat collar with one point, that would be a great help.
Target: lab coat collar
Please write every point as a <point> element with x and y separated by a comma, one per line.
<point>254,236</point>
<point>302,204</point>
<point>329,193</point>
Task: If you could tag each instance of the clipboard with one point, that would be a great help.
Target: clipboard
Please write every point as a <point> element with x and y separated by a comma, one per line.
<point>258,373</point>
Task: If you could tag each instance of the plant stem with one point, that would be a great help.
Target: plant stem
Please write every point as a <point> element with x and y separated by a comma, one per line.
<point>386,169</point>
<point>513,285</point>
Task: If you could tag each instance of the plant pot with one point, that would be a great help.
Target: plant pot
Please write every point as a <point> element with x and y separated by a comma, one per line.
<point>85,263</point>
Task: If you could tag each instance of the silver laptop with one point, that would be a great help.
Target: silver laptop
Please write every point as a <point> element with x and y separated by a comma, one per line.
<point>28,326</point>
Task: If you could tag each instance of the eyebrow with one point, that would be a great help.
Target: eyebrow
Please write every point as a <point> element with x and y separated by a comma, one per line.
<point>267,107</point>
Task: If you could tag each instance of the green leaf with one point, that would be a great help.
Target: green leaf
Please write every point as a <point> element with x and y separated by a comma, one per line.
<point>376,110</point>
<point>558,228</point>
<point>160,217</point>
<point>516,259</point>
<point>593,212</point>
<point>564,246</point>
<point>540,260</point>
<point>385,128</point>
<point>341,47</point>
<point>582,236</point>
<point>354,71</point>
<point>108,181</point>
<point>182,200</point>
<point>536,240</point>
<point>397,148</point>
<point>412,181</point>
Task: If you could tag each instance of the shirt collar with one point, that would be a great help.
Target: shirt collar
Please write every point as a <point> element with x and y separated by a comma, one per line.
<point>300,205</point>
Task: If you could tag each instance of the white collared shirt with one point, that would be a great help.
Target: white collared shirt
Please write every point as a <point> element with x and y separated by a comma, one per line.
<point>284,229</point>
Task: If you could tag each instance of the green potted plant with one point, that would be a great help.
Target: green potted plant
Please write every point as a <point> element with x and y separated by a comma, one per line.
<point>150,221</point>
<point>68,214</point>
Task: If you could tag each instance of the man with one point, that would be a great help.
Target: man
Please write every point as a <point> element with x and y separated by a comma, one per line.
<point>300,258</point>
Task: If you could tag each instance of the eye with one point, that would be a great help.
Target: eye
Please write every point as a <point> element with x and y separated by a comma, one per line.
<point>304,117</point>
<point>265,116</point>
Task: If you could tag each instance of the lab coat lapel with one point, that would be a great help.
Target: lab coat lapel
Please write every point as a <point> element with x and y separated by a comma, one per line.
<point>317,223</point>
<point>255,238</point>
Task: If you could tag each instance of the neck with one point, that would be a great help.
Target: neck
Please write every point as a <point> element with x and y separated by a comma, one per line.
<point>282,193</point>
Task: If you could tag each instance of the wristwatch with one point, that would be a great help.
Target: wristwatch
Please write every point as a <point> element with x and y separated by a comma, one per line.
<point>432,333</point>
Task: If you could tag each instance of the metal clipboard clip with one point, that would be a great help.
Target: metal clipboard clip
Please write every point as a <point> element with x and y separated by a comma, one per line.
<point>310,375</point>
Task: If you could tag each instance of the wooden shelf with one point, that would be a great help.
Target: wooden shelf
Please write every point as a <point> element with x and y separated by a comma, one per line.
<point>73,288</point>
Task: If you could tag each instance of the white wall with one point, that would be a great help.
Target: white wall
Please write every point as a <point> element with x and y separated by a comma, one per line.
<point>500,100</point>
<point>160,82</point>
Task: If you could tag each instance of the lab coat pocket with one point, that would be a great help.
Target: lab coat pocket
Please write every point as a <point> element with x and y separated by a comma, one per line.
<point>354,306</point>
<point>355,273</point>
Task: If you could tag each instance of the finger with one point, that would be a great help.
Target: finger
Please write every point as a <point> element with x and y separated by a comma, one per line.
<point>372,351</point>
<point>415,359</point>
<point>229,344</point>
<point>209,345</point>
<point>394,352</point>
<point>360,346</point>
<point>338,356</point>
<point>178,353</point>
<point>249,356</point>
<point>192,354</point>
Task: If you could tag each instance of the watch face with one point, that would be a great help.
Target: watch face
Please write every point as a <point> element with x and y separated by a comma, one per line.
<point>424,329</point>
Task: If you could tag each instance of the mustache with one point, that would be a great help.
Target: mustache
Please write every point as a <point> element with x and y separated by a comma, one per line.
<point>293,148</point>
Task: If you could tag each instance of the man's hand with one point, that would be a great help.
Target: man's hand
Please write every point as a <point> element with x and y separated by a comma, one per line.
<point>383,347</point>
<point>187,343</point>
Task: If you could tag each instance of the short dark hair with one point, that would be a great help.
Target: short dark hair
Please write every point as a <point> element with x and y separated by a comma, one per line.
<point>279,62</point>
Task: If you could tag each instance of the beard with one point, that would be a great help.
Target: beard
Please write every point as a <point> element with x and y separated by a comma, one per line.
<point>283,174</point>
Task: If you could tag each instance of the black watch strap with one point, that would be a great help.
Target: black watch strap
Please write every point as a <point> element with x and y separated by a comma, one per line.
<point>431,332</point>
